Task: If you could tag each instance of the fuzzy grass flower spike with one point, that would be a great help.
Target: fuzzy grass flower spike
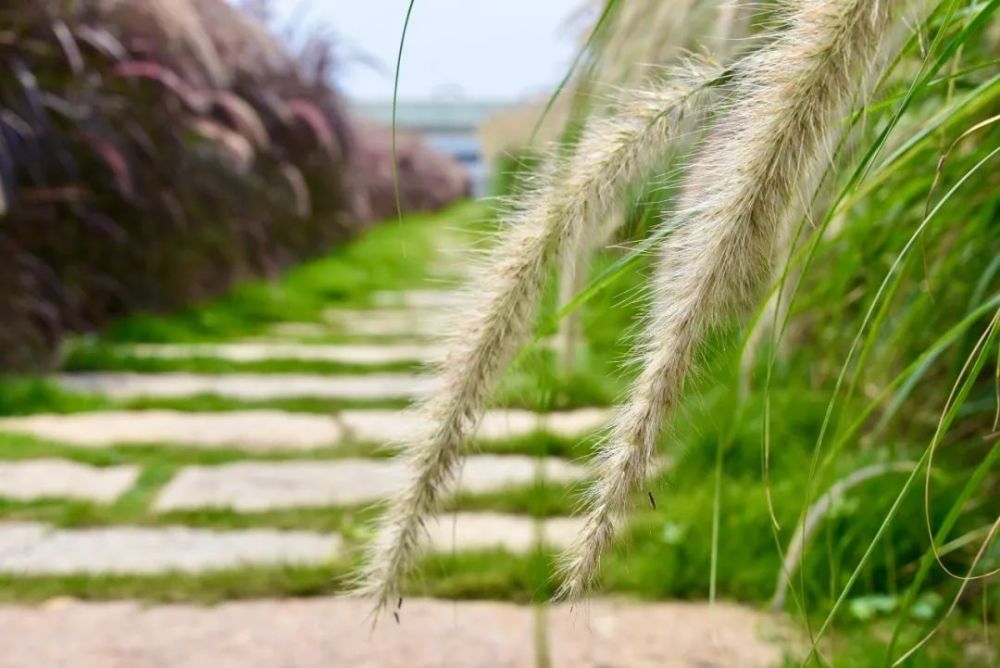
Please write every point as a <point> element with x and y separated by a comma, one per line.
<point>781,105</point>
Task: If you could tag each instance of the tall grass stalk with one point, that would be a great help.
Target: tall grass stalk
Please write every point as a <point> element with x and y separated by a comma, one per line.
<point>787,97</point>
<point>558,212</point>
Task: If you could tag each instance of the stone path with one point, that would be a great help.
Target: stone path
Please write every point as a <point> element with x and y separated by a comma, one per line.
<point>513,533</point>
<point>389,323</point>
<point>256,486</point>
<point>54,478</point>
<point>421,299</point>
<point>38,549</point>
<point>381,426</point>
<point>247,386</point>
<point>289,461</point>
<point>272,430</point>
<point>322,633</point>
<point>41,550</point>
<point>259,430</point>
<point>664,635</point>
<point>250,351</point>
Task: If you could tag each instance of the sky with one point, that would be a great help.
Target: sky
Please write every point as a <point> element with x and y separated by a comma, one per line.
<point>474,49</point>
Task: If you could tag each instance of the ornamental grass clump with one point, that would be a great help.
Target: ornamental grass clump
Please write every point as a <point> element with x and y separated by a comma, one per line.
<point>786,98</point>
<point>842,168</point>
<point>557,212</point>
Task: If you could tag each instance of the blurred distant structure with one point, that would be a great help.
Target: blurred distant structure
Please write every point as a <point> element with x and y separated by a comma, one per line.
<point>453,127</point>
<point>511,129</point>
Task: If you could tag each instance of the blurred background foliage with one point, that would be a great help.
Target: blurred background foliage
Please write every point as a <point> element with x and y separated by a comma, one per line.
<point>153,152</point>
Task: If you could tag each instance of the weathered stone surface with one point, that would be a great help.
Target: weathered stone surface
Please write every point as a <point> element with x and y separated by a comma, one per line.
<point>248,351</point>
<point>298,330</point>
<point>517,534</point>
<point>247,385</point>
<point>675,635</point>
<point>500,424</point>
<point>247,430</point>
<point>304,633</point>
<point>560,532</point>
<point>420,299</point>
<point>393,323</point>
<point>558,470</point>
<point>58,478</point>
<point>464,532</point>
<point>326,632</point>
<point>378,426</point>
<point>490,473</point>
<point>571,424</point>
<point>386,426</point>
<point>264,430</point>
<point>36,549</point>
<point>254,486</point>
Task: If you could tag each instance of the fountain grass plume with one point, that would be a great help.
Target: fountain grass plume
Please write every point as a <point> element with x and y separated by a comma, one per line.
<point>786,98</point>
<point>646,36</point>
<point>558,212</point>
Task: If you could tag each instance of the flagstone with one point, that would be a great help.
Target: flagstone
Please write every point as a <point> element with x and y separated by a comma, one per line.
<point>256,486</point>
<point>333,631</point>
<point>386,426</point>
<point>555,470</point>
<point>420,299</point>
<point>571,424</point>
<point>297,330</point>
<point>560,532</point>
<point>464,532</point>
<point>681,635</point>
<point>304,633</point>
<point>58,478</point>
<point>252,351</point>
<point>396,323</point>
<point>258,430</point>
<point>247,386</point>
<point>267,430</point>
<point>37,549</point>
<point>518,534</point>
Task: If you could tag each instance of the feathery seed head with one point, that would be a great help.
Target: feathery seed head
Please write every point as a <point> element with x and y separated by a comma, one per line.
<point>785,98</point>
<point>559,213</point>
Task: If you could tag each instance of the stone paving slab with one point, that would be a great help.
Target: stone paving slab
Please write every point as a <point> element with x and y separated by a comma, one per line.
<point>261,430</point>
<point>256,486</point>
<point>332,632</point>
<point>58,478</point>
<point>613,634</point>
<point>385,426</point>
<point>395,323</point>
<point>420,299</point>
<point>247,385</point>
<point>36,549</point>
<point>252,351</point>
<point>297,330</point>
<point>304,633</point>
<point>576,423</point>
<point>273,430</point>
<point>560,532</point>
<point>555,470</point>
<point>518,534</point>
<point>464,532</point>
